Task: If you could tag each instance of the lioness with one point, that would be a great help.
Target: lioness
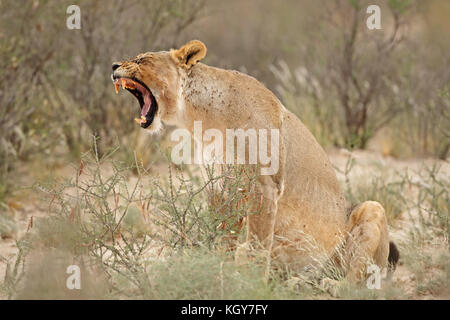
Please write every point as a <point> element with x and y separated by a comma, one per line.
<point>303,208</point>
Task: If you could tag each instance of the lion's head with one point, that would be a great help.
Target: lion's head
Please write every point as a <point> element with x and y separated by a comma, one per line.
<point>154,78</point>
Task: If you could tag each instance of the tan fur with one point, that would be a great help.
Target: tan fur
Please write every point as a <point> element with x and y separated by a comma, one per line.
<point>189,54</point>
<point>304,211</point>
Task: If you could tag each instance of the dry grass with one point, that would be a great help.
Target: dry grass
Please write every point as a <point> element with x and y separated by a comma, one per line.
<point>137,236</point>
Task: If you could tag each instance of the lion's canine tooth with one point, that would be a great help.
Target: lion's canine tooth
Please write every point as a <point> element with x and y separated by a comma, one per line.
<point>143,119</point>
<point>116,87</point>
<point>137,120</point>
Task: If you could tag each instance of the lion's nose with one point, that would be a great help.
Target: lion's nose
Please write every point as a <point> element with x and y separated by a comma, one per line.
<point>115,65</point>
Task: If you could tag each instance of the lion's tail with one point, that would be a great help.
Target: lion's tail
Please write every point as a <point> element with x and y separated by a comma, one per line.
<point>394,256</point>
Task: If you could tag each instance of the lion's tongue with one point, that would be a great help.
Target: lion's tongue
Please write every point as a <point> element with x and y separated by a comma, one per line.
<point>147,104</point>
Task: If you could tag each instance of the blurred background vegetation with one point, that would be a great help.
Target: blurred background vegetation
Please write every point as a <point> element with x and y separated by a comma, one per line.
<point>387,90</point>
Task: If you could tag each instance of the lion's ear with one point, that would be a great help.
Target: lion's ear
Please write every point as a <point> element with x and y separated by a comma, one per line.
<point>189,54</point>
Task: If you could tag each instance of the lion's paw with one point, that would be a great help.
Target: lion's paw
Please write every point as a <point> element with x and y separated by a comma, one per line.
<point>331,286</point>
<point>298,283</point>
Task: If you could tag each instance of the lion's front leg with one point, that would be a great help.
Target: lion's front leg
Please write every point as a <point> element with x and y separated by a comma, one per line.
<point>260,226</point>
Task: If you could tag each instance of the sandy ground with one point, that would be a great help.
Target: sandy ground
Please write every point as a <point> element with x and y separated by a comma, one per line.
<point>29,206</point>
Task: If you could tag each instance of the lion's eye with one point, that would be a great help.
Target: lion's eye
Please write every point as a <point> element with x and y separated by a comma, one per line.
<point>139,60</point>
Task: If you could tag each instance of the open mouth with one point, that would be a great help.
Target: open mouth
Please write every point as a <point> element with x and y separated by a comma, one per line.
<point>147,101</point>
